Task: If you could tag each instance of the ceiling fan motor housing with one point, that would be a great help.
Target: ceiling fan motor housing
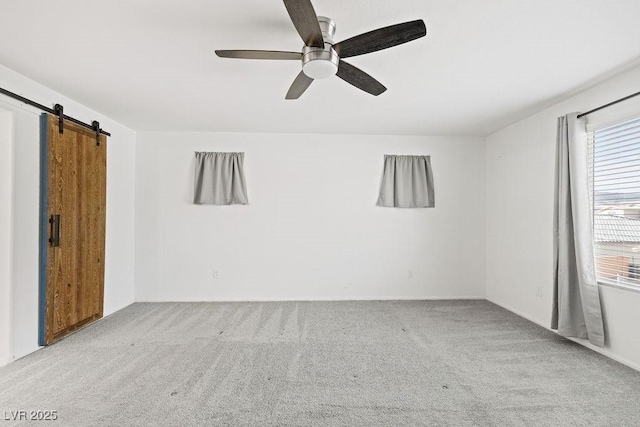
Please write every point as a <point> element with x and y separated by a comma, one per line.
<point>320,63</point>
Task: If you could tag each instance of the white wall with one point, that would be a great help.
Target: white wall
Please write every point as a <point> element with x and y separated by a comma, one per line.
<point>119,264</point>
<point>312,230</point>
<point>520,175</point>
<point>6,203</point>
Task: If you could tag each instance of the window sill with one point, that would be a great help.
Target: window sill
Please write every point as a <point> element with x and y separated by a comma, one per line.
<point>620,286</point>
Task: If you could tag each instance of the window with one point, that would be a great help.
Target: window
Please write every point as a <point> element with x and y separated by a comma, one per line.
<point>614,184</point>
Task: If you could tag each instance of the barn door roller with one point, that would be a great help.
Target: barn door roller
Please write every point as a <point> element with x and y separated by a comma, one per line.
<point>59,109</point>
<point>95,125</point>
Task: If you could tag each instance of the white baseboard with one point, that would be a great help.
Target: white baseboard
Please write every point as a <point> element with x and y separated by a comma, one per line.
<point>396,298</point>
<point>608,353</point>
<point>604,351</point>
<point>519,313</point>
<point>118,307</point>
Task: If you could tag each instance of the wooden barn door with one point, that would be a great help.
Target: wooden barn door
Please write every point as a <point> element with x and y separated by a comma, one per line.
<point>73,206</point>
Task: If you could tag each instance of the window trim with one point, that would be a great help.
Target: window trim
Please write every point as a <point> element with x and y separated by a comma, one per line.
<point>618,113</point>
<point>599,120</point>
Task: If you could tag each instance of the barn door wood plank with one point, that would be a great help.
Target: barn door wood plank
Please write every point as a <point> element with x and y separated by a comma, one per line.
<point>76,191</point>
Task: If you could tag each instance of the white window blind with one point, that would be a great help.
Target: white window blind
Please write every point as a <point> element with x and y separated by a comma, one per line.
<point>614,166</point>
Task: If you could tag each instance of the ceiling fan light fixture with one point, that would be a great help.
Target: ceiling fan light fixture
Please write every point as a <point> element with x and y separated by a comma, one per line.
<point>320,63</point>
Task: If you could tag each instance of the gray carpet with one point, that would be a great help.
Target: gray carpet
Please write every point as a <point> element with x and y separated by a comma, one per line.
<point>439,363</point>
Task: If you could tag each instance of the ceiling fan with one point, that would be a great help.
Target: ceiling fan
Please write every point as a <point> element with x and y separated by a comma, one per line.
<point>322,58</point>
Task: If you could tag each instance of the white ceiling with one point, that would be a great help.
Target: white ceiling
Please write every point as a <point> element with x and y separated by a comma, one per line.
<point>150,64</point>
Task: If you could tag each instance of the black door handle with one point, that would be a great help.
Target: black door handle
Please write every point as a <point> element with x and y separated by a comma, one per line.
<point>54,235</point>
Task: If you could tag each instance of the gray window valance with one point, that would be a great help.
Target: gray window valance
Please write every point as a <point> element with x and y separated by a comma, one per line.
<point>219,179</point>
<point>407,182</point>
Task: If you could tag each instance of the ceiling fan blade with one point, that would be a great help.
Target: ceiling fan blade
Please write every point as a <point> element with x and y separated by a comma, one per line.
<point>381,38</point>
<point>299,85</point>
<point>359,79</point>
<point>306,22</point>
<point>258,54</point>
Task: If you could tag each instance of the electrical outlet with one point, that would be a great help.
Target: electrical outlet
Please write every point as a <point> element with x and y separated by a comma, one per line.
<point>539,291</point>
<point>216,274</point>
<point>411,274</point>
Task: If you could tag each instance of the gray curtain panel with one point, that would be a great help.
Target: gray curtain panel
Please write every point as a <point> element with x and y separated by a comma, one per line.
<point>407,182</point>
<point>576,301</point>
<point>219,179</point>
